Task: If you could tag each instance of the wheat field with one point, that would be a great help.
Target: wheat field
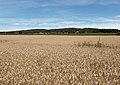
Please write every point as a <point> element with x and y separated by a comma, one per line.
<point>57,60</point>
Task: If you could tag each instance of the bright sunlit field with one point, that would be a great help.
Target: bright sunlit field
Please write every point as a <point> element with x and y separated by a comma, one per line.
<point>59,60</point>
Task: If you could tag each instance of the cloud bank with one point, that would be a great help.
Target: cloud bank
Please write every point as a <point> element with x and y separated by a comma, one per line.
<point>48,14</point>
<point>52,23</point>
<point>46,3</point>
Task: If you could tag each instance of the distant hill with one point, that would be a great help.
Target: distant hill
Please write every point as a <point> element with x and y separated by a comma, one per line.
<point>65,31</point>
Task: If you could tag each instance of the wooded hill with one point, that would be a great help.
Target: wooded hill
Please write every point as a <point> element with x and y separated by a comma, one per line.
<point>65,31</point>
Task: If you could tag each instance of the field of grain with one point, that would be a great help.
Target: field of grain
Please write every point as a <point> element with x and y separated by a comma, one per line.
<point>57,60</point>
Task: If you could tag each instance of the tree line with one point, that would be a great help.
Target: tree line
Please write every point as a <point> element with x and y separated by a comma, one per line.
<point>65,31</point>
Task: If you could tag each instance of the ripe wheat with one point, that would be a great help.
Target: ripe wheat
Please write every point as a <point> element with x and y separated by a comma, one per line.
<point>55,60</point>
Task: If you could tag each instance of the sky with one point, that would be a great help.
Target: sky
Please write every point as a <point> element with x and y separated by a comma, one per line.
<point>53,14</point>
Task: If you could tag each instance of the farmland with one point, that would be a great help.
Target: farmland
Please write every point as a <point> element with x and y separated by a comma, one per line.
<point>59,60</point>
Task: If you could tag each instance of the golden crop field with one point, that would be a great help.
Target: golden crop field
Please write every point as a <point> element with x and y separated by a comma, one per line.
<point>59,60</point>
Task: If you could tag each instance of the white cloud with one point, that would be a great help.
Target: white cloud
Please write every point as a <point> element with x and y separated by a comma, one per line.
<point>50,23</point>
<point>118,16</point>
<point>104,26</point>
<point>59,25</point>
<point>86,2</point>
<point>37,20</point>
<point>45,3</point>
<point>110,20</point>
<point>71,22</point>
<point>75,2</point>
<point>8,4</point>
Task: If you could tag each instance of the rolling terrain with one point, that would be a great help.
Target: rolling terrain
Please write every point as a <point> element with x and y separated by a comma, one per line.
<point>64,31</point>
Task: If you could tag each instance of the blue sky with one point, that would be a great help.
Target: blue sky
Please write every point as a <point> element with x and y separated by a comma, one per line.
<point>48,14</point>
